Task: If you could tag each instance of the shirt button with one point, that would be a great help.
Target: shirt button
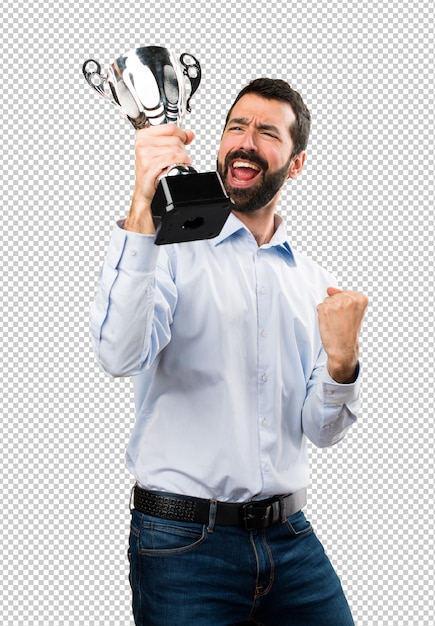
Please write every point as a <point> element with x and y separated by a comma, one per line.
<point>264,423</point>
<point>132,252</point>
<point>263,333</point>
<point>267,468</point>
<point>263,290</point>
<point>330,392</point>
<point>264,378</point>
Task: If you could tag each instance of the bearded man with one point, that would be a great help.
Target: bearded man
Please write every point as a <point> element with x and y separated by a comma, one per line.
<point>240,349</point>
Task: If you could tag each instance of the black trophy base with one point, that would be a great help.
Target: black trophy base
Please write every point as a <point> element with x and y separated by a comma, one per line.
<point>190,207</point>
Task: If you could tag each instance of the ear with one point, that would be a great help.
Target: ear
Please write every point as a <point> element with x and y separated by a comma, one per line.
<point>297,164</point>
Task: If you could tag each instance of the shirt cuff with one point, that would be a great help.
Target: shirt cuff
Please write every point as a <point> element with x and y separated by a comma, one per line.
<point>132,251</point>
<point>340,393</point>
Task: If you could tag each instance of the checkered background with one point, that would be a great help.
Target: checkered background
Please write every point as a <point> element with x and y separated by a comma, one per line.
<point>363,208</point>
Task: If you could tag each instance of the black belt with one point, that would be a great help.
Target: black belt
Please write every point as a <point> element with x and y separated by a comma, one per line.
<point>251,515</point>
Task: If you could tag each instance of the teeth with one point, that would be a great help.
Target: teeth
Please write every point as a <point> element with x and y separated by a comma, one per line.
<point>252,166</point>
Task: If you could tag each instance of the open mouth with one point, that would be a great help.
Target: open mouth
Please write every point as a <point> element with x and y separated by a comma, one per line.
<point>244,172</point>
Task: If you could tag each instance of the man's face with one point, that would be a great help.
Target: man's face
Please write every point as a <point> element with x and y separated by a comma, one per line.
<point>254,155</point>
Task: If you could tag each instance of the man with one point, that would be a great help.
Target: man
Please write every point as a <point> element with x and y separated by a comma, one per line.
<point>240,349</point>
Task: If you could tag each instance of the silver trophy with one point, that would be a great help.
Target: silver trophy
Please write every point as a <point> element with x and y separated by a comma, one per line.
<point>152,86</point>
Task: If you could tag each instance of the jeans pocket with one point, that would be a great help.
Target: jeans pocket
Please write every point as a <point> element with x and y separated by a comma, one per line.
<point>157,537</point>
<point>298,525</point>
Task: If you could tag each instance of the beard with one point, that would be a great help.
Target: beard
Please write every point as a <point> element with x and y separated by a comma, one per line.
<point>264,189</point>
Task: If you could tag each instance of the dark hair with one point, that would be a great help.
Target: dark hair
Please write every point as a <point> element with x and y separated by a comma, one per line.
<point>277,89</point>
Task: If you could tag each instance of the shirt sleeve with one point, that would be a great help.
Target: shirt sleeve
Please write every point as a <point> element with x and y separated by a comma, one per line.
<point>330,408</point>
<point>131,316</point>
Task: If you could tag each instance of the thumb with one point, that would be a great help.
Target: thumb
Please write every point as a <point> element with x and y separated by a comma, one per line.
<point>190,135</point>
<point>332,291</point>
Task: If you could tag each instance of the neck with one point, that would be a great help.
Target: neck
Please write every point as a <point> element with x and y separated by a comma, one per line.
<point>261,223</point>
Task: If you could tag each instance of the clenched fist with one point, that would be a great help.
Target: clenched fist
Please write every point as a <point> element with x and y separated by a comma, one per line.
<point>340,318</point>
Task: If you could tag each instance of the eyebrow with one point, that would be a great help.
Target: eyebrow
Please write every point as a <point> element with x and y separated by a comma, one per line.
<point>244,121</point>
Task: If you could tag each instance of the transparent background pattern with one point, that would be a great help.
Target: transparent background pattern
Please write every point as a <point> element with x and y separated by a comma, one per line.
<point>363,208</point>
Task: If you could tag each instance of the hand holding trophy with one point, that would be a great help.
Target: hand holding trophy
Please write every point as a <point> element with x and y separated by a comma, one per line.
<point>151,86</point>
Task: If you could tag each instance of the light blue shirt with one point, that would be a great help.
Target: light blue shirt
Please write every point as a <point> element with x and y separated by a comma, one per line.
<point>222,340</point>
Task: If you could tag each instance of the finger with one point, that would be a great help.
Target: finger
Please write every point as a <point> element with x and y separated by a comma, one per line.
<point>148,140</point>
<point>332,291</point>
<point>190,136</point>
<point>168,130</point>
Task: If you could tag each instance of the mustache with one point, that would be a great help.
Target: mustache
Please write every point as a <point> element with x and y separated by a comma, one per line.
<point>247,156</point>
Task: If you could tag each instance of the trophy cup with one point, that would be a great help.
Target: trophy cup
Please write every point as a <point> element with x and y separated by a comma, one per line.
<point>152,86</point>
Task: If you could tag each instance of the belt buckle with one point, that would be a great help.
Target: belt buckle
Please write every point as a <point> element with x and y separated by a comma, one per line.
<point>255,516</point>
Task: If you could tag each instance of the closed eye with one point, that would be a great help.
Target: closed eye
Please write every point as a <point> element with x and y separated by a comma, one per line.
<point>269,134</point>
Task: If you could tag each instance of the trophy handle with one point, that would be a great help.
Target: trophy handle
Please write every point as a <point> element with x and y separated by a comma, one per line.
<point>92,73</point>
<point>192,70</point>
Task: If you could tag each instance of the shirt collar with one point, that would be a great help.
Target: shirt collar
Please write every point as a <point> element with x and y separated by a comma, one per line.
<point>279,240</point>
<point>231,226</point>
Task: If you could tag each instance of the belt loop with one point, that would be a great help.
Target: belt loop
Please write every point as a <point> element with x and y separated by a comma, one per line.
<point>131,502</point>
<point>212,516</point>
<point>282,509</point>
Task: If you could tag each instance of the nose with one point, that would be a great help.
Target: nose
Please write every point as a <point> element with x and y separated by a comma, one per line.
<point>247,141</point>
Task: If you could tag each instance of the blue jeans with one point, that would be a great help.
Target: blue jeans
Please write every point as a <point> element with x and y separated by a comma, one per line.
<point>185,574</point>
